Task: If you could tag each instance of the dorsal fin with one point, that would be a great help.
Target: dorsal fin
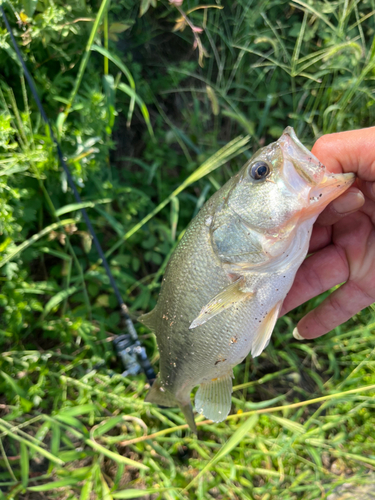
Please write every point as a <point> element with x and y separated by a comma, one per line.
<point>149,319</point>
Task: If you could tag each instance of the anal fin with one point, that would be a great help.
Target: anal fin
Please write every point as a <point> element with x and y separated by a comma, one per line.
<point>213,399</point>
<point>228,297</point>
<point>160,396</point>
<point>265,331</point>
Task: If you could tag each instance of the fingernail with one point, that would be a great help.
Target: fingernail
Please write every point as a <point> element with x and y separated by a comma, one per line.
<point>297,335</point>
<point>348,202</point>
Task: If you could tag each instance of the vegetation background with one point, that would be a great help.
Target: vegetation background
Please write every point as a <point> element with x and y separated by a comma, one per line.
<point>142,95</point>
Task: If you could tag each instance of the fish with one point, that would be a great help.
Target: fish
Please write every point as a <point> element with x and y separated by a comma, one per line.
<point>226,281</point>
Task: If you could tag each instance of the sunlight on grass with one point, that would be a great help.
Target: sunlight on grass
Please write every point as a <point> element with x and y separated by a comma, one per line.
<point>146,155</point>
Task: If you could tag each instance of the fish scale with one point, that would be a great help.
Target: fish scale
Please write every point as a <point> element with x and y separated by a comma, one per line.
<point>226,281</point>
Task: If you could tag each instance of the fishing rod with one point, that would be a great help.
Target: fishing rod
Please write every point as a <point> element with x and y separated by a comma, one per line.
<point>128,347</point>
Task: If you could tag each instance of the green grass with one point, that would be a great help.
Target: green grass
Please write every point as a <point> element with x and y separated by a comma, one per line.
<point>149,134</point>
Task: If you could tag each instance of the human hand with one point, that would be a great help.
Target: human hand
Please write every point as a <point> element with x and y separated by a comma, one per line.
<point>342,241</point>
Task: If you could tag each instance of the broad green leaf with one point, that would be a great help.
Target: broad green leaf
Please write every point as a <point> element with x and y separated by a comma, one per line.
<point>29,7</point>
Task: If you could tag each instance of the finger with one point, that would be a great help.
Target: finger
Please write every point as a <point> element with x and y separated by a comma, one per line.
<point>349,202</point>
<point>352,151</point>
<point>321,236</point>
<point>339,307</point>
<point>317,274</point>
<point>367,188</point>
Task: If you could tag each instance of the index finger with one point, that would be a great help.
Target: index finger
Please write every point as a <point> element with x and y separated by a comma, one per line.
<point>352,151</point>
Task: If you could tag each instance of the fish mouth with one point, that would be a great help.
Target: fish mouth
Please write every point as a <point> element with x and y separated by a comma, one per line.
<point>323,187</point>
<point>304,162</point>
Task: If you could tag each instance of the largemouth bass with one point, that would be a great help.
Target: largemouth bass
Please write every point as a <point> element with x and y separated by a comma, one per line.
<point>228,277</point>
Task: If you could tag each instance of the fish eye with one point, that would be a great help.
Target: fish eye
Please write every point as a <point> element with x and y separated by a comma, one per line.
<point>259,170</point>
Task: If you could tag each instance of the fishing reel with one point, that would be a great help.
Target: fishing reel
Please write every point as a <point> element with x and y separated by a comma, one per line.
<point>133,356</point>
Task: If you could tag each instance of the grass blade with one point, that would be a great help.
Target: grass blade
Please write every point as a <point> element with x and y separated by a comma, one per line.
<point>115,456</point>
<point>132,94</point>
<point>72,207</point>
<point>228,447</point>
<point>316,13</point>
<point>24,465</point>
<point>60,297</point>
<point>35,238</point>
<point>69,481</point>
<point>85,59</point>
<point>131,493</point>
<point>116,60</point>
<point>38,449</point>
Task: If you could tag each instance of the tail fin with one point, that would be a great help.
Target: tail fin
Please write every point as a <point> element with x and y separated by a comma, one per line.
<point>162,397</point>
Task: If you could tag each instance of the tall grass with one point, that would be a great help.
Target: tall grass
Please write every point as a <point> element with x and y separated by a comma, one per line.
<point>302,419</point>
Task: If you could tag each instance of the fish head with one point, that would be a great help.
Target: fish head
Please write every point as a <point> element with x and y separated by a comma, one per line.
<point>283,185</point>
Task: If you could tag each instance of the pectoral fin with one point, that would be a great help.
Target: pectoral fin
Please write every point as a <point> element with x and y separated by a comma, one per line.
<point>213,399</point>
<point>264,334</point>
<point>230,296</point>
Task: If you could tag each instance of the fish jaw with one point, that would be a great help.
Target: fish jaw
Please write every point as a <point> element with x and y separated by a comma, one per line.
<point>331,186</point>
<point>313,178</point>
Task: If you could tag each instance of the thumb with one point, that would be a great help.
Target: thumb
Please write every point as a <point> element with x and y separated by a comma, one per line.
<point>347,203</point>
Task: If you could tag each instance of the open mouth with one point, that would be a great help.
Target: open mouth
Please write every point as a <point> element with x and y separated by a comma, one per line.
<point>325,186</point>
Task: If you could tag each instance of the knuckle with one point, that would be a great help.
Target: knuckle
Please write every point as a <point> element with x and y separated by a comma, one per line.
<point>323,143</point>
